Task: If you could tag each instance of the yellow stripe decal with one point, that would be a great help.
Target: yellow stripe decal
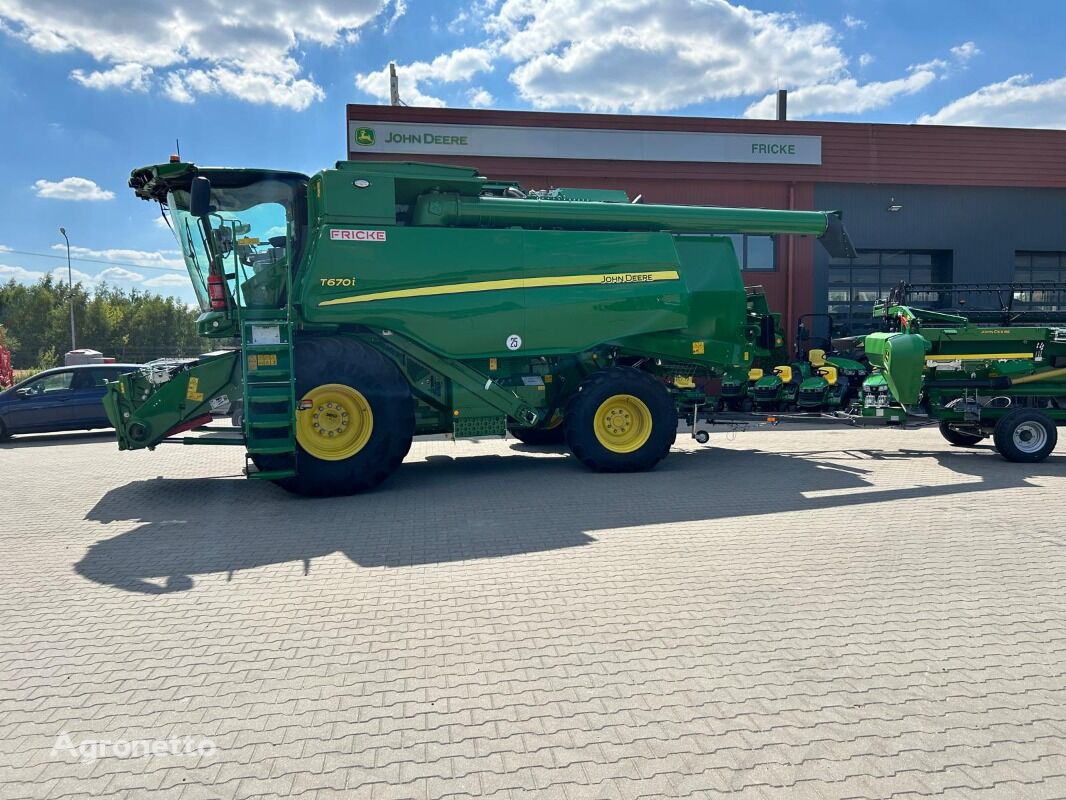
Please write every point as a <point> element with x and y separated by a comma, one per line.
<point>977,356</point>
<point>611,279</point>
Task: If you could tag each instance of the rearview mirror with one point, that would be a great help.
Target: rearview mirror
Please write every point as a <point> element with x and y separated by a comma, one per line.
<point>200,197</point>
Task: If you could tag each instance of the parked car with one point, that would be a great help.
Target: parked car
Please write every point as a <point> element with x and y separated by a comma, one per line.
<point>61,399</point>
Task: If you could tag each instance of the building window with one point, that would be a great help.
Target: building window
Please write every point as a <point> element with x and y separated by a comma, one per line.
<point>1039,267</point>
<point>854,284</point>
<point>755,253</point>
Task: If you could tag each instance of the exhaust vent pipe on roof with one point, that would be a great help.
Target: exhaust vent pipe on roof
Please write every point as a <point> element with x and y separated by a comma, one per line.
<point>782,105</point>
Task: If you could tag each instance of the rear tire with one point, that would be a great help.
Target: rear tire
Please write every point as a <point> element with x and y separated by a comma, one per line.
<point>620,420</point>
<point>960,438</point>
<point>1025,436</point>
<point>388,411</point>
<point>5,434</point>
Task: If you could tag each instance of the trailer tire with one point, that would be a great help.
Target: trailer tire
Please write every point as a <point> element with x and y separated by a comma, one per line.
<point>960,438</point>
<point>376,384</point>
<point>1025,435</point>
<point>620,420</point>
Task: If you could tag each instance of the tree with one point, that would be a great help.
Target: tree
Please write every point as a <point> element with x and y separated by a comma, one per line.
<point>131,326</point>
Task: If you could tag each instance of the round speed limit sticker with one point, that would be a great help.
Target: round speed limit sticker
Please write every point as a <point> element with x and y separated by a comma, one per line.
<point>514,341</point>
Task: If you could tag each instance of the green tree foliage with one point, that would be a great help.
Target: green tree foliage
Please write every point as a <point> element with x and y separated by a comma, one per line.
<point>131,326</point>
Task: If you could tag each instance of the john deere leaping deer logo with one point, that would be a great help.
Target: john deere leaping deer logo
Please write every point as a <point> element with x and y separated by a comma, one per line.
<point>364,136</point>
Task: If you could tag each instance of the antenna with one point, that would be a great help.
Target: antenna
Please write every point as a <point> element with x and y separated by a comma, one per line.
<point>394,86</point>
<point>177,148</point>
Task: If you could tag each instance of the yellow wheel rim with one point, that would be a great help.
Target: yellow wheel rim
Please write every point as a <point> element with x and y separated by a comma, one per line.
<point>622,423</point>
<point>335,422</point>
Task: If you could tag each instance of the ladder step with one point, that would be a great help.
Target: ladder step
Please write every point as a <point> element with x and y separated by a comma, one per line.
<point>270,421</point>
<point>269,372</point>
<point>270,474</point>
<point>271,449</point>
<point>267,396</point>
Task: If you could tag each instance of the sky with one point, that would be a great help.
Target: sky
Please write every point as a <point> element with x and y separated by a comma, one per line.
<point>88,91</point>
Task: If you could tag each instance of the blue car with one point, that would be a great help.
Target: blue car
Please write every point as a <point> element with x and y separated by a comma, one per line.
<point>61,399</point>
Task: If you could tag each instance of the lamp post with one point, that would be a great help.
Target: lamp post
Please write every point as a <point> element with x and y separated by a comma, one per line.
<point>70,280</point>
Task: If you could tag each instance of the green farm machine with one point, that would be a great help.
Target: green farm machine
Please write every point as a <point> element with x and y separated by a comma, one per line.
<point>375,302</point>
<point>976,373</point>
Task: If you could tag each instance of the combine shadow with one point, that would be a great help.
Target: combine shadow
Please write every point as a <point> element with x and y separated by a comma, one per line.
<point>20,440</point>
<point>491,506</point>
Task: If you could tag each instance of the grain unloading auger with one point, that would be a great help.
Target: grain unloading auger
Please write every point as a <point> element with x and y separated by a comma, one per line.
<point>378,301</point>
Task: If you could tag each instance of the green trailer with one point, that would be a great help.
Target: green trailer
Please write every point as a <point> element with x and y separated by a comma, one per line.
<point>374,302</point>
<point>977,375</point>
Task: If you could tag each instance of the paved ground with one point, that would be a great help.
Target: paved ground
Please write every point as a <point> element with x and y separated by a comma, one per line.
<point>838,614</point>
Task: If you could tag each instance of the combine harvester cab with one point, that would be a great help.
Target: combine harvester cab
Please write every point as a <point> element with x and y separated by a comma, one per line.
<point>374,302</point>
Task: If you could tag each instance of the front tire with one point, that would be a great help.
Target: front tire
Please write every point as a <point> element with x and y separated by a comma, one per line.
<point>1025,436</point>
<point>960,438</point>
<point>359,422</point>
<point>620,420</point>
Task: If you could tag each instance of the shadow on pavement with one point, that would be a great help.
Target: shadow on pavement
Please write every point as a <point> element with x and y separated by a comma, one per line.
<point>50,439</point>
<point>444,509</point>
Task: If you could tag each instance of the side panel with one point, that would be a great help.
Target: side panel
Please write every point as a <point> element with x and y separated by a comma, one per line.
<point>636,291</point>
<point>466,292</point>
<point>418,282</point>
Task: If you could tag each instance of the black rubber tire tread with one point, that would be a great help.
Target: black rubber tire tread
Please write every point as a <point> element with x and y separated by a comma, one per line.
<point>1003,435</point>
<point>539,437</point>
<point>580,412</point>
<point>5,434</point>
<point>336,359</point>
<point>960,438</point>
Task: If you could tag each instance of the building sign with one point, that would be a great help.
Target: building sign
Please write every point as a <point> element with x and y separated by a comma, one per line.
<point>586,143</point>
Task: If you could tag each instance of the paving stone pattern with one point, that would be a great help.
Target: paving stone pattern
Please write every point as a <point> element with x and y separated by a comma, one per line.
<point>783,614</point>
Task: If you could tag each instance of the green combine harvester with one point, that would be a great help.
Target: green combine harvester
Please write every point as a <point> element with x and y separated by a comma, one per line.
<point>375,302</point>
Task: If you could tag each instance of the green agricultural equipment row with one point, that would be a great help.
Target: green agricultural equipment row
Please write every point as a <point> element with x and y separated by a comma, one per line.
<point>375,302</point>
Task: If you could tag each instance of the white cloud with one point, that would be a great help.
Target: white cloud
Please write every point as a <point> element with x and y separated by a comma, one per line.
<point>479,97</point>
<point>965,51</point>
<point>244,48</point>
<point>656,55</point>
<point>865,60</point>
<point>132,77</point>
<point>71,189</point>
<point>1014,103</point>
<point>399,8</point>
<point>280,89</point>
<point>457,66</point>
<point>854,22</point>
<point>59,274</point>
<point>168,280</point>
<point>845,96</point>
<point>119,274</point>
<point>167,259</point>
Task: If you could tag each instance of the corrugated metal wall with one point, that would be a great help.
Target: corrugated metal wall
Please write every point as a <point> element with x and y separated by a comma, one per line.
<point>983,227</point>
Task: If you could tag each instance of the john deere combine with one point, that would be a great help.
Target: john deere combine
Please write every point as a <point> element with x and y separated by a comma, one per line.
<point>378,301</point>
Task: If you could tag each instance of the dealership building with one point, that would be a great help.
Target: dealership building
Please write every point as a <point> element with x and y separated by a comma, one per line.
<point>922,203</point>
